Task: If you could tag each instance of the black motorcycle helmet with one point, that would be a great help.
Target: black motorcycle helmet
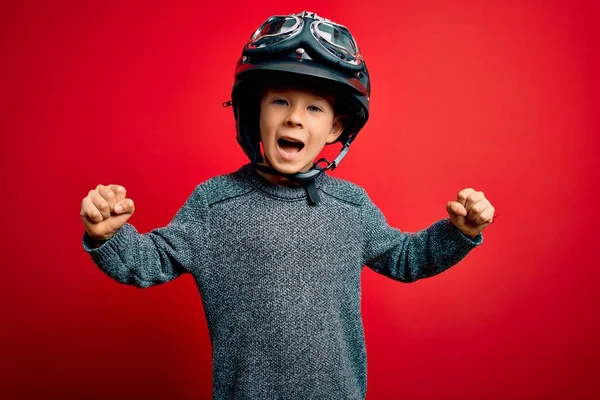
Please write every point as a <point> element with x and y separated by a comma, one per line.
<point>302,49</point>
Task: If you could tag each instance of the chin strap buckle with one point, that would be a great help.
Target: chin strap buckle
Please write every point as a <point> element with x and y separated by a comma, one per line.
<point>333,164</point>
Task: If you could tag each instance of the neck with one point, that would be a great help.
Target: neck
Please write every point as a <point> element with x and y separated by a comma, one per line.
<point>278,179</point>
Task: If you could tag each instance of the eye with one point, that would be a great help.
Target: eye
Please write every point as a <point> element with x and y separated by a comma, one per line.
<point>314,108</point>
<point>280,102</point>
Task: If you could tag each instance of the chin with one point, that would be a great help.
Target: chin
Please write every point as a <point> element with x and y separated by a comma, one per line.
<point>287,169</point>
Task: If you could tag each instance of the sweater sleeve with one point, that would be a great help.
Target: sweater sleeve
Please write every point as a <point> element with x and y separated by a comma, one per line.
<point>407,257</point>
<point>149,259</point>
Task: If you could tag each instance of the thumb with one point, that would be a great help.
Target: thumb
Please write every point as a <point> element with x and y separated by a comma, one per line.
<point>456,208</point>
<point>124,206</point>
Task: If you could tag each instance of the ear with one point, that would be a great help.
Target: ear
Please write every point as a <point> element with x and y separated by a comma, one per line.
<point>339,123</point>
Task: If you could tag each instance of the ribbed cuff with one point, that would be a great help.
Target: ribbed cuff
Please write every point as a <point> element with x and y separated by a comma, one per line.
<point>109,247</point>
<point>461,239</point>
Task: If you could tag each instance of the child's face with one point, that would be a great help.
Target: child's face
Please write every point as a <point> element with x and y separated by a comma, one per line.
<point>295,125</point>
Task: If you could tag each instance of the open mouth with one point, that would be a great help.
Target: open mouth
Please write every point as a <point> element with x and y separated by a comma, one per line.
<point>290,146</point>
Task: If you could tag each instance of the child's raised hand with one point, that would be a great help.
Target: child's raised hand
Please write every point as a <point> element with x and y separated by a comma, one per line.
<point>471,213</point>
<point>104,210</point>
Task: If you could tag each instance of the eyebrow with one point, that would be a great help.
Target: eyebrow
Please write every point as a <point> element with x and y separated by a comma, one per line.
<point>316,96</point>
<point>284,89</point>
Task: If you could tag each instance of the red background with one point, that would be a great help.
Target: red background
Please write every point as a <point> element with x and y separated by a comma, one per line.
<point>499,97</point>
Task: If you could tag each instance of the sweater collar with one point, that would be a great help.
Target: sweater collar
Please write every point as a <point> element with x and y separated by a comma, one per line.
<point>284,192</point>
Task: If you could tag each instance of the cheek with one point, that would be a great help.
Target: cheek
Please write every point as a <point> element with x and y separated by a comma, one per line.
<point>321,132</point>
<point>268,120</point>
<point>264,126</point>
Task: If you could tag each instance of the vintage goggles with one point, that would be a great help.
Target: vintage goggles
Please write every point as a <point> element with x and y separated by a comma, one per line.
<point>285,32</point>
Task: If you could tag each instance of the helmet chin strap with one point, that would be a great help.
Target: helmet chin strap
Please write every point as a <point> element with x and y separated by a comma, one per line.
<point>306,179</point>
<point>298,177</point>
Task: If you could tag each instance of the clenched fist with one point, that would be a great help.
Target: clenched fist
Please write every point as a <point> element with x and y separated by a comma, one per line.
<point>471,213</point>
<point>104,210</point>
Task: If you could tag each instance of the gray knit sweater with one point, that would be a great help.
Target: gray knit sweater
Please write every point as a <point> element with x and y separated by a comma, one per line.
<point>280,278</point>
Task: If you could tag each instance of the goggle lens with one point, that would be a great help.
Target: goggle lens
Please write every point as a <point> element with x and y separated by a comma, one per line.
<point>274,30</point>
<point>337,40</point>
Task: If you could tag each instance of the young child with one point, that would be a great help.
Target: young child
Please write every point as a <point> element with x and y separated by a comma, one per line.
<point>277,247</point>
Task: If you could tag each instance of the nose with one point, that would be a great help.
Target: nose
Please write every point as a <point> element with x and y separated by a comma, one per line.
<point>294,117</point>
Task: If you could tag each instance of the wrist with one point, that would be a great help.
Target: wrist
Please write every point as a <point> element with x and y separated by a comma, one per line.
<point>96,242</point>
